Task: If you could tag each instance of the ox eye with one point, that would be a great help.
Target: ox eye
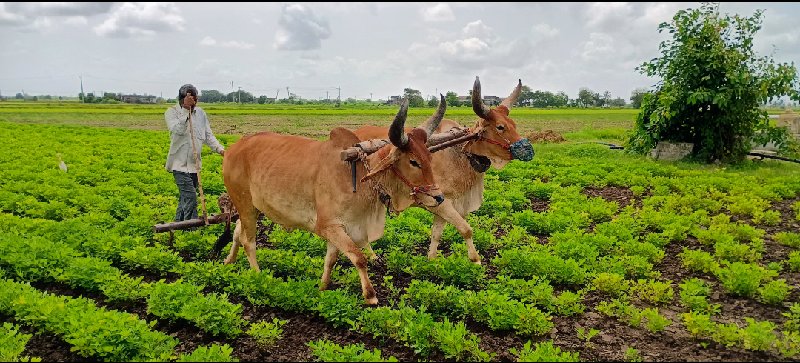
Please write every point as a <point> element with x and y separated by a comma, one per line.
<point>414,163</point>
<point>500,127</point>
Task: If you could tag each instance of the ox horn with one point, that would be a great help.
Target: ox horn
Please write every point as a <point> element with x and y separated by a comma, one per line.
<point>397,133</point>
<point>477,101</point>
<point>432,123</point>
<point>512,98</point>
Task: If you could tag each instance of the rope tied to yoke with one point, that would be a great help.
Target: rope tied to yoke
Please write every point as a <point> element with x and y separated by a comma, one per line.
<point>383,195</point>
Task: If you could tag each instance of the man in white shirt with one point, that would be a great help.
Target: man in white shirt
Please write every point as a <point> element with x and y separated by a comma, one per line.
<point>181,162</point>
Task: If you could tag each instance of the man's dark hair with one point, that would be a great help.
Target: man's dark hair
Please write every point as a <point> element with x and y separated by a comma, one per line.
<point>184,90</point>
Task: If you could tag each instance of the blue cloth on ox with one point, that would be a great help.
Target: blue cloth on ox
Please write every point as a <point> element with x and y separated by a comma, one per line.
<point>522,150</point>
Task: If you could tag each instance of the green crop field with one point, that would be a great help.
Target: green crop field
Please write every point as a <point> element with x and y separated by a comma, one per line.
<point>589,253</point>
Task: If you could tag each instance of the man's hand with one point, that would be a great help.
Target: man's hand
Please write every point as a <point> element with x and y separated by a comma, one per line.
<point>189,102</point>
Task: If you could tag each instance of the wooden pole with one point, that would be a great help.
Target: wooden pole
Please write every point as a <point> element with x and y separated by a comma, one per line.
<point>435,143</point>
<point>197,164</point>
<point>189,223</point>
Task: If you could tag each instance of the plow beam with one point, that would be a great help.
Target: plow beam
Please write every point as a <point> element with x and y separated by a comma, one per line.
<point>189,223</point>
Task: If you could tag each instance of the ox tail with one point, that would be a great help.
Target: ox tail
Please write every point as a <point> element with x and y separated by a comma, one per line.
<point>222,241</point>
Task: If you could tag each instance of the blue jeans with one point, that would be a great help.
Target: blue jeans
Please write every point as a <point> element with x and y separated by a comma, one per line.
<point>187,201</point>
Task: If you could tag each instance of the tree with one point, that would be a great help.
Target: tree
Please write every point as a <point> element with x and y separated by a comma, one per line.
<point>617,102</point>
<point>586,97</point>
<point>636,97</point>
<point>211,96</point>
<point>433,101</point>
<point>712,84</point>
<point>414,97</point>
<point>525,96</point>
<point>561,99</point>
<point>451,98</point>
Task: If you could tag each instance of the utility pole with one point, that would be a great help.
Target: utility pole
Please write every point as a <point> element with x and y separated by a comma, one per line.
<point>339,97</point>
<point>288,95</point>
<point>370,97</point>
<point>83,96</point>
<point>326,96</point>
<point>276,95</point>
<point>240,95</point>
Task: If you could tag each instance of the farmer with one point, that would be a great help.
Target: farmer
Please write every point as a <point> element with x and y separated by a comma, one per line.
<point>184,161</point>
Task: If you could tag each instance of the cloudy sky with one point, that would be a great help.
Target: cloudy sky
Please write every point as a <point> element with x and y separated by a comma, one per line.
<point>363,50</point>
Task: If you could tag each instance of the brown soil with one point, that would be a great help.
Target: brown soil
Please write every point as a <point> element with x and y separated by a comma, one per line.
<point>674,344</point>
<point>545,136</point>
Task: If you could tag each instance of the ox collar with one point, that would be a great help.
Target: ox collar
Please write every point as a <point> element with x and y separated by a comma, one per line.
<point>479,163</point>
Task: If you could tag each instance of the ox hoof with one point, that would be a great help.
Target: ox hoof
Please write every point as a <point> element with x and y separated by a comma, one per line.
<point>433,255</point>
<point>375,259</point>
<point>477,262</point>
<point>373,301</point>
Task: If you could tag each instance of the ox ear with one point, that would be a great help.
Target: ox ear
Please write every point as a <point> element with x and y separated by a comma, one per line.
<point>343,137</point>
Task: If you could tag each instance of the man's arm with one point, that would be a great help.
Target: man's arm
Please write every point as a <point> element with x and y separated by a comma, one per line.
<point>211,140</point>
<point>177,120</point>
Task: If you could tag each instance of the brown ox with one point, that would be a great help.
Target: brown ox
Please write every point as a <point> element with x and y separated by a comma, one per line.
<point>302,183</point>
<point>459,169</point>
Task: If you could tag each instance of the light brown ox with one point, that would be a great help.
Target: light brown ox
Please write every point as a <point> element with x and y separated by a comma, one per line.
<point>302,183</point>
<point>461,183</point>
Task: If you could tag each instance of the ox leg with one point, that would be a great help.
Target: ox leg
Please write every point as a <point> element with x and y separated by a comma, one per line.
<point>446,213</point>
<point>436,236</point>
<point>245,235</point>
<point>337,236</point>
<point>237,234</point>
<point>371,255</point>
<point>330,260</point>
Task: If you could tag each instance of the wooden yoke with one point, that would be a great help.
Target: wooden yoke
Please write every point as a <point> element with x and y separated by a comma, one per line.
<point>435,143</point>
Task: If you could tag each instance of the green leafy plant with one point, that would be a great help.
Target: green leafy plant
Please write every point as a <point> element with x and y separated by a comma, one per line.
<point>587,335</point>
<point>543,352</point>
<point>211,353</point>
<point>12,344</point>
<point>267,333</point>
<point>327,351</point>
<point>694,294</point>
<point>774,292</point>
<point>632,355</point>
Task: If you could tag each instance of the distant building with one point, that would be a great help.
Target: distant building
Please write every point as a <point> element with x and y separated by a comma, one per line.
<point>138,99</point>
<point>491,100</point>
<point>394,100</point>
<point>488,100</point>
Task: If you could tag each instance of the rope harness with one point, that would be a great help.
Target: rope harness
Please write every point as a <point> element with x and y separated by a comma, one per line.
<point>383,195</point>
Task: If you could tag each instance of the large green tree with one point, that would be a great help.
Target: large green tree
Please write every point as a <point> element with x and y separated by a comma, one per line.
<point>414,97</point>
<point>712,84</point>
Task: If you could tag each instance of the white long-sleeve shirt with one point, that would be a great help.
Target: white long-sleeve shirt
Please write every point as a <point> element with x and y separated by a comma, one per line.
<point>180,156</point>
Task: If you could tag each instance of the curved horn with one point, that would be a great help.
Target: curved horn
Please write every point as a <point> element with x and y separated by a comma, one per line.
<point>397,133</point>
<point>432,123</point>
<point>477,101</point>
<point>512,98</point>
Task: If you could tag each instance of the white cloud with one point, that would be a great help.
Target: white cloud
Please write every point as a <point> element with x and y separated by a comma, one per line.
<point>211,42</point>
<point>300,29</point>
<point>141,19</point>
<point>544,31</point>
<point>477,29</point>
<point>32,9</point>
<point>599,45</point>
<point>30,16</point>
<point>437,13</point>
<point>608,16</point>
